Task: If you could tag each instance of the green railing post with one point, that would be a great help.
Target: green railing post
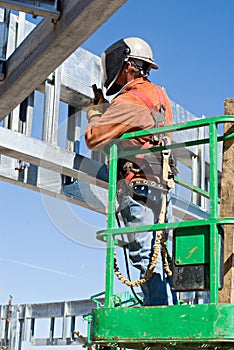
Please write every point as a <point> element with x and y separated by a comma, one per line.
<point>88,318</point>
<point>214,256</point>
<point>111,224</point>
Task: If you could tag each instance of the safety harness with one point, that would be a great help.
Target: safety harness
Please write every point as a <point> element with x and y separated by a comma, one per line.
<point>157,114</point>
<point>152,169</point>
<point>161,167</point>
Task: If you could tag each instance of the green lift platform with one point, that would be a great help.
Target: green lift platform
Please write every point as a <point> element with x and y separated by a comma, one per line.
<point>202,326</point>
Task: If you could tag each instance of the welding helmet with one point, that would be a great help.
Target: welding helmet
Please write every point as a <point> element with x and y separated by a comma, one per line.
<point>114,57</point>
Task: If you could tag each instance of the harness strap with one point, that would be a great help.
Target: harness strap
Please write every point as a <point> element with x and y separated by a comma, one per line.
<point>129,176</point>
<point>146,145</point>
<point>165,166</point>
<point>143,97</point>
<point>161,98</point>
<point>159,118</point>
<point>156,113</point>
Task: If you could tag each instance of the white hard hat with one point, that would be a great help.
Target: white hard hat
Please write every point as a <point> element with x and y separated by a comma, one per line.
<point>113,58</point>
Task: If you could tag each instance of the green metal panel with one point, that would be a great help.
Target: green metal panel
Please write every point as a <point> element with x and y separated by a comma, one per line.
<point>192,245</point>
<point>168,327</point>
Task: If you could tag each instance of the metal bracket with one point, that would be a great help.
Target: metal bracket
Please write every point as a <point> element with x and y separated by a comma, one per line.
<point>44,8</point>
<point>4,28</point>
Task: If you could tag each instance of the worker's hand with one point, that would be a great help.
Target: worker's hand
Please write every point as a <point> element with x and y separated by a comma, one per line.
<point>96,110</point>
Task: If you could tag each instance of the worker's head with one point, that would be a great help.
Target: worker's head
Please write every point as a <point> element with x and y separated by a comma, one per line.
<point>125,60</point>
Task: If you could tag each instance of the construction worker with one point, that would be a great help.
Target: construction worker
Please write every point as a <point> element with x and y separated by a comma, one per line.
<point>138,105</point>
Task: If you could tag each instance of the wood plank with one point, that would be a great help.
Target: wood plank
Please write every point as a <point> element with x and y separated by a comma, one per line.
<point>227,207</point>
<point>48,45</point>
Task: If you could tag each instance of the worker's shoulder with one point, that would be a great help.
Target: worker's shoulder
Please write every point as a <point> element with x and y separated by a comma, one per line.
<point>128,95</point>
<point>155,93</point>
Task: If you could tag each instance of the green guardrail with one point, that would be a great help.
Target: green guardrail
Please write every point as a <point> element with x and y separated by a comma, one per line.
<point>213,222</point>
<point>176,326</point>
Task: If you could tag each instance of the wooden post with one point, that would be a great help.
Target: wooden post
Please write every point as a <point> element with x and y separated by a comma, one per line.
<point>226,295</point>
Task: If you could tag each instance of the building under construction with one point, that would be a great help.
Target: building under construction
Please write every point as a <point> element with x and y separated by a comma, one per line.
<point>202,259</point>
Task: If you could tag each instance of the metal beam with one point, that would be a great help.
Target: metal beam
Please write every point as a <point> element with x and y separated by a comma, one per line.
<point>4,29</point>
<point>48,45</point>
<point>92,200</point>
<point>51,157</point>
<point>45,8</point>
<point>23,324</point>
<point>60,161</point>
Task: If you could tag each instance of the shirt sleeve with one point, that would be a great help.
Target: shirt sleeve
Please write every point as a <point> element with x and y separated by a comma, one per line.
<point>120,117</point>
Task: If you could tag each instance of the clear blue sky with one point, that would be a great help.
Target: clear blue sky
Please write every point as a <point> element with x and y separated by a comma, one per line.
<point>193,46</point>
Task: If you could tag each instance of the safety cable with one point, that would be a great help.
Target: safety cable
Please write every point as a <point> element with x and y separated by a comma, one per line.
<point>160,239</point>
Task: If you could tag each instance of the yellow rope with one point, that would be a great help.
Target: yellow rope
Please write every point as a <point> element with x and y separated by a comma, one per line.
<point>160,239</point>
